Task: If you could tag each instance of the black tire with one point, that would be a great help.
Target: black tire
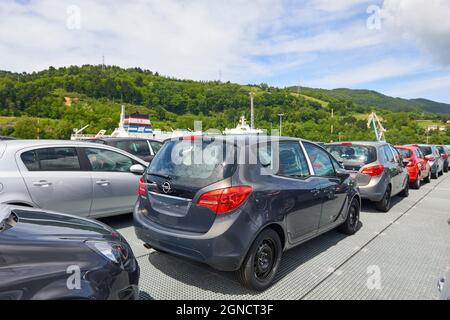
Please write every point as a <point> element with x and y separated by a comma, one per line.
<point>428,178</point>
<point>435,175</point>
<point>384,205</point>
<point>350,226</point>
<point>446,167</point>
<point>262,261</point>
<point>416,184</point>
<point>405,191</point>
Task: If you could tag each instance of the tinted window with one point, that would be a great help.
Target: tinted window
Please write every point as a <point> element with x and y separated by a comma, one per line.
<point>106,160</point>
<point>426,150</point>
<point>388,154</point>
<point>397,157</point>
<point>441,149</point>
<point>138,148</point>
<point>356,154</point>
<point>30,159</point>
<point>194,163</point>
<point>52,159</point>
<point>156,146</point>
<point>292,161</point>
<point>320,161</point>
<point>405,153</point>
<point>419,153</point>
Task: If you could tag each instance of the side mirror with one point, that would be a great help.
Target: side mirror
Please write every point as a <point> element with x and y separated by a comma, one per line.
<point>137,169</point>
<point>405,162</point>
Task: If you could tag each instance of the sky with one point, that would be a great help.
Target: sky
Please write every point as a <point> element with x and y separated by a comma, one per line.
<point>398,47</point>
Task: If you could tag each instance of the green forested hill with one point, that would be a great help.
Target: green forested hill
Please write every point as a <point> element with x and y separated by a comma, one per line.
<point>35,104</point>
<point>368,98</point>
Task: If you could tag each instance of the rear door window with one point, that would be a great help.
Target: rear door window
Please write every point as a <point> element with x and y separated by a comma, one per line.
<point>51,159</point>
<point>292,161</point>
<point>320,161</point>
<point>196,163</point>
<point>108,161</point>
<point>388,154</point>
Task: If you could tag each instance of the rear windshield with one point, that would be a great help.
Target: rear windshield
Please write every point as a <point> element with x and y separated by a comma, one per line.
<point>426,150</point>
<point>353,153</point>
<point>405,153</point>
<point>194,163</point>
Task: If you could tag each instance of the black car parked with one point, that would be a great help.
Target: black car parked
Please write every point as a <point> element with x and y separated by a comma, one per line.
<point>239,214</point>
<point>54,256</point>
<point>142,148</point>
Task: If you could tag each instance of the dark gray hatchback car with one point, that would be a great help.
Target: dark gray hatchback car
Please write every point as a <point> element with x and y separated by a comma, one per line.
<point>242,213</point>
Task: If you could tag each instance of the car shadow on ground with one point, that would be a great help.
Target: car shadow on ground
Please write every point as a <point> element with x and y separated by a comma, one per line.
<point>369,207</point>
<point>206,278</point>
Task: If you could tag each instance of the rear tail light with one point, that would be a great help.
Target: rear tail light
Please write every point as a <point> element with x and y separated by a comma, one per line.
<point>346,144</point>
<point>142,189</point>
<point>373,171</point>
<point>225,200</point>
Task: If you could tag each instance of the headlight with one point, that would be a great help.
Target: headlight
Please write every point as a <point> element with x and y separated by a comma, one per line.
<point>114,252</point>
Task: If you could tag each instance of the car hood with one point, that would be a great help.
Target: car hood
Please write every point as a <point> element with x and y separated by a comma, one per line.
<point>47,225</point>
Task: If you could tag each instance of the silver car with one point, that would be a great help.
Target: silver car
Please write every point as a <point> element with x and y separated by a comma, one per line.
<point>84,179</point>
<point>377,167</point>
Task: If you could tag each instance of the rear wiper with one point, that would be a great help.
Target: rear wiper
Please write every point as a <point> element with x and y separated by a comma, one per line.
<point>159,175</point>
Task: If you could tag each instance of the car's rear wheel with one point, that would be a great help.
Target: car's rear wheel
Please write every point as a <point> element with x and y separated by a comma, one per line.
<point>262,261</point>
<point>428,178</point>
<point>435,175</point>
<point>416,184</point>
<point>350,226</point>
<point>385,203</point>
<point>405,191</point>
<point>446,167</point>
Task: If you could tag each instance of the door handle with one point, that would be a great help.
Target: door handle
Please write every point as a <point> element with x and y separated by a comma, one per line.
<point>103,183</point>
<point>42,184</point>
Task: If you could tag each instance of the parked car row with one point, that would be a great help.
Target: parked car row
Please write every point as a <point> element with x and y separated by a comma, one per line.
<point>233,215</point>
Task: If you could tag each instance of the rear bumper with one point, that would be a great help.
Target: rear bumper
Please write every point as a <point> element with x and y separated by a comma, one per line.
<point>223,247</point>
<point>375,190</point>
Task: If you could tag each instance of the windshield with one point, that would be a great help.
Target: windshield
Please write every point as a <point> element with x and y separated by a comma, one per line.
<point>405,153</point>
<point>194,163</point>
<point>353,153</point>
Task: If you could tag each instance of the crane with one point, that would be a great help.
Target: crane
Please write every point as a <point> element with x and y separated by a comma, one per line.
<point>375,123</point>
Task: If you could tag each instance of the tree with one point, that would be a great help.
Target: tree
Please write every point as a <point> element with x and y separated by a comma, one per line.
<point>26,128</point>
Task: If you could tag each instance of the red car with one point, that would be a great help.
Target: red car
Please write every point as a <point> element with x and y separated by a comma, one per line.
<point>417,165</point>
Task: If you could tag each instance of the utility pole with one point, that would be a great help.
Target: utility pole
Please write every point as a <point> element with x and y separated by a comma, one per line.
<point>252,111</point>
<point>281,122</point>
<point>332,125</point>
<point>103,62</point>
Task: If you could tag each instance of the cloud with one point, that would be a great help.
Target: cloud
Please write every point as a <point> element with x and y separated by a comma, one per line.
<point>378,70</point>
<point>416,88</point>
<point>427,22</point>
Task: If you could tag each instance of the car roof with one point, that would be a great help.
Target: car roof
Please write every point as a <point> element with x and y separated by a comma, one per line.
<point>127,139</point>
<point>26,143</point>
<point>364,143</point>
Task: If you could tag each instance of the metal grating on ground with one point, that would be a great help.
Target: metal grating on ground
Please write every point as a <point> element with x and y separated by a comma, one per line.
<point>410,245</point>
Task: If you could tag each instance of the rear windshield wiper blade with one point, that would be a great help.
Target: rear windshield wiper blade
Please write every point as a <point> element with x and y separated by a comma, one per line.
<point>159,175</point>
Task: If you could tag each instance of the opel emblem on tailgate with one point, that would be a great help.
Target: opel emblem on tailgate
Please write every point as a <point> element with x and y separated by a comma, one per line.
<point>166,187</point>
